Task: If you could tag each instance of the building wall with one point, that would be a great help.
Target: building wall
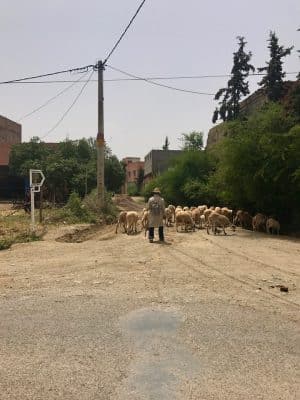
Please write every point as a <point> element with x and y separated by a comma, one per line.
<point>132,167</point>
<point>10,134</point>
<point>158,161</point>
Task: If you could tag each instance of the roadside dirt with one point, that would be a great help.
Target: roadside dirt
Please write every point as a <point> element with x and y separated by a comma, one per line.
<point>88,314</point>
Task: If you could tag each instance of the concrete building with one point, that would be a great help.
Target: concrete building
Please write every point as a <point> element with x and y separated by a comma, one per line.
<point>158,161</point>
<point>132,168</point>
<point>10,134</point>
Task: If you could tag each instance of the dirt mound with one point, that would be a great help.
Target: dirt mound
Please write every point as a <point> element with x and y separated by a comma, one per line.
<point>82,234</point>
<point>127,203</point>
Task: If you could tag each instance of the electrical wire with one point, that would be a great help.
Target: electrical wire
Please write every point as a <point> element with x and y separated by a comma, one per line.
<point>52,98</point>
<point>154,78</point>
<point>80,69</point>
<point>124,32</point>
<point>160,84</point>
<point>69,108</point>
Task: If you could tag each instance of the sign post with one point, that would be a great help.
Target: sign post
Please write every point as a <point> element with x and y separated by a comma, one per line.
<point>36,180</point>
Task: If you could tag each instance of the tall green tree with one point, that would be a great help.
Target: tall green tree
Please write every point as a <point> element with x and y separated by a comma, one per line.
<point>192,141</point>
<point>272,82</point>
<point>166,144</point>
<point>237,86</point>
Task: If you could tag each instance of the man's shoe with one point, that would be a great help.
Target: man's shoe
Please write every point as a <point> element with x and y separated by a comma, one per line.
<point>150,240</point>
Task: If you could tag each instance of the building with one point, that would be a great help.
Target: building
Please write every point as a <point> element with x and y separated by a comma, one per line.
<point>158,161</point>
<point>10,134</point>
<point>133,165</point>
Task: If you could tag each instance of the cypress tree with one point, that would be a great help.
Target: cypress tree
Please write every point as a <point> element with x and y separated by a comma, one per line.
<point>272,82</point>
<point>236,87</point>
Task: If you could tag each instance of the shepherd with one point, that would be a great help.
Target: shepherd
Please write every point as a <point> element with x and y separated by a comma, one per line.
<point>156,207</point>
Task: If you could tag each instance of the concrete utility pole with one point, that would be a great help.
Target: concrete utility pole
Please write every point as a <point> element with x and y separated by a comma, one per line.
<point>100,136</point>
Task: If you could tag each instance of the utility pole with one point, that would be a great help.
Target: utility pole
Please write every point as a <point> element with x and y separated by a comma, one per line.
<point>100,136</point>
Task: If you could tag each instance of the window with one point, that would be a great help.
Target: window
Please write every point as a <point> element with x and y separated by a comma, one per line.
<point>134,173</point>
<point>129,174</point>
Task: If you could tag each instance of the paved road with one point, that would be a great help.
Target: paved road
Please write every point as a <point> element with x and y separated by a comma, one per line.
<point>115,317</point>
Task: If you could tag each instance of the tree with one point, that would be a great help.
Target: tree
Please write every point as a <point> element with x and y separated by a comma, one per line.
<point>140,179</point>
<point>166,144</point>
<point>236,87</point>
<point>272,82</point>
<point>192,141</point>
<point>298,76</point>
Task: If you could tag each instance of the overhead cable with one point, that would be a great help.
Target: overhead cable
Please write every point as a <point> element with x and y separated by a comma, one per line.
<point>160,84</point>
<point>69,108</point>
<point>80,69</point>
<point>52,98</point>
<point>124,32</point>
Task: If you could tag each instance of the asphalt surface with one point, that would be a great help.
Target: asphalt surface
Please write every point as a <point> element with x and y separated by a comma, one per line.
<point>115,317</point>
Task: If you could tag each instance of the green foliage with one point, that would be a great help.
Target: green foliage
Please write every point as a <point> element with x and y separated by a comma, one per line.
<point>236,87</point>
<point>272,82</point>
<point>258,168</point>
<point>70,166</point>
<point>191,166</point>
<point>192,141</point>
<point>114,174</point>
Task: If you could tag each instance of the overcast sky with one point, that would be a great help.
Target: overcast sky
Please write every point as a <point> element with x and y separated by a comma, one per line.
<point>168,38</point>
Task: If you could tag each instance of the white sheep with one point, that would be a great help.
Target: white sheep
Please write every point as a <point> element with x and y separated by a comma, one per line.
<point>183,218</point>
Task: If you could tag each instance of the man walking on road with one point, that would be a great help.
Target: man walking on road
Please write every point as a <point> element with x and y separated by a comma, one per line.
<point>156,207</point>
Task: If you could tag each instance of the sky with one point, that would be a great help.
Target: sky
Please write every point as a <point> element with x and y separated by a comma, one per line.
<point>168,38</point>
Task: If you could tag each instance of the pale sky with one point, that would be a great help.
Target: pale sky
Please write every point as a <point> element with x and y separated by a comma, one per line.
<point>168,38</point>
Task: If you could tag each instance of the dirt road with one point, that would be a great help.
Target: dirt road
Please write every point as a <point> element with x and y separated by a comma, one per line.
<point>114,317</point>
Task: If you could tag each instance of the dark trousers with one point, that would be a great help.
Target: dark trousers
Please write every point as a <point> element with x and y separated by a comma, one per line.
<point>160,233</point>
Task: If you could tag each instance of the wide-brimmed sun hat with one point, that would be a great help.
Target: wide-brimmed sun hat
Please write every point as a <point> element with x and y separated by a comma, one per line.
<point>156,190</point>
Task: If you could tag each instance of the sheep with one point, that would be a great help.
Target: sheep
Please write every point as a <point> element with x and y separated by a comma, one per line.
<point>196,215</point>
<point>216,220</point>
<point>186,209</point>
<point>131,222</point>
<point>168,216</point>
<point>228,213</point>
<point>172,209</point>
<point>183,218</point>
<point>145,221</point>
<point>272,225</point>
<point>218,210</point>
<point>206,213</point>
<point>243,218</point>
<point>121,221</point>
<point>178,209</point>
<point>259,222</point>
<point>202,221</point>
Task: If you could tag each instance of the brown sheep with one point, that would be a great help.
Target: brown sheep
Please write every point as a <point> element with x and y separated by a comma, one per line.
<point>121,221</point>
<point>272,226</point>
<point>243,219</point>
<point>183,218</point>
<point>131,222</point>
<point>216,220</point>
<point>259,222</point>
<point>168,216</point>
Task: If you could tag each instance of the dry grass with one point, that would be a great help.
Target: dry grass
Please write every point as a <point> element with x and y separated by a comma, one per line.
<point>15,228</point>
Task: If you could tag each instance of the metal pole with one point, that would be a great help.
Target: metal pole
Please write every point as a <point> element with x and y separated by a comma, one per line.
<point>100,136</point>
<point>32,209</point>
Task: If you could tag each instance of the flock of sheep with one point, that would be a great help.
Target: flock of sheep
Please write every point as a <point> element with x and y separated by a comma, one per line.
<point>215,219</point>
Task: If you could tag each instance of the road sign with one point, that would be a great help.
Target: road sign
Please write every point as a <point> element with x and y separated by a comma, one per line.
<point>36,179</point>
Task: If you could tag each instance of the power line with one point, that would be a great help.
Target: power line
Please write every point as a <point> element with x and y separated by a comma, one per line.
<point>155,78</point>
<point>69,108</point>
<point>52,98</point>
<point>124,32</point>
<point>160,84</point>
<point>80,69</point>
